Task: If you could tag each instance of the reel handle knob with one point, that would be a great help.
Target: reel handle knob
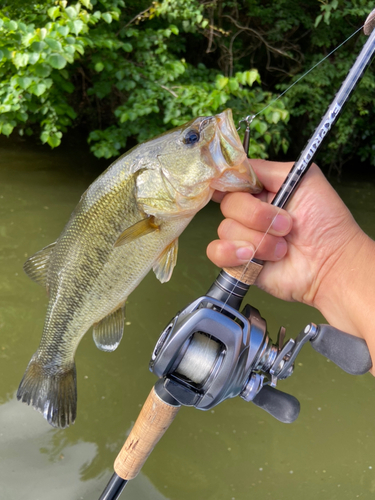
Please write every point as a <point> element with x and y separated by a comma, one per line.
<point>284,407</point>
<point>348,352</point>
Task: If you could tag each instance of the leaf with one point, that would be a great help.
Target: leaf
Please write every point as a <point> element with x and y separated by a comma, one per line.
<point>27,39</point>
<point>86,3</point>
<point>127,47</point>
<point>20,59</point>
<point>37,46</point>
<point>317,20</point>
<point>221,82</point>
<point>34,57</point>
<point>44,137</point>
<point>107,17</point>
<point>1,54</point>
<point>75,27</point>
<point>79,49</point>
<point>71,12</point>
<point>252,76</point>
<point>53,44</point>
<point>57,61</point>
<point>54,141</point>
<point>233,85</point>
<point>11,26</point>
<point>38,89</point>
<point>78,25</point>
<point>43,70</point>
<point>7,129</point>
<point>99,66</point>
<point>174,29</point>
<point>22,27</point>
<point>24,82</point>
<point>260,127</point>
<point>63,30</point>
<point>53,12</point>
<point>42,33</point>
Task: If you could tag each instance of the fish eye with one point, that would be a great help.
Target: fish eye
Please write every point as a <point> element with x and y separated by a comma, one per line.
<point>191,137</point>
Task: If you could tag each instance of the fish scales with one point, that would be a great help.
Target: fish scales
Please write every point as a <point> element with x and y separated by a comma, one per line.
<point>126,223</point>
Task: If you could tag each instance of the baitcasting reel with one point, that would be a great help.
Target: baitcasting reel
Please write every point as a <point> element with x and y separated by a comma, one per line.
<point>211,352</point>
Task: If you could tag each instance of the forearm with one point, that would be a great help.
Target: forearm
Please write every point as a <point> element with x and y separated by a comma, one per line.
<point>347,298</point>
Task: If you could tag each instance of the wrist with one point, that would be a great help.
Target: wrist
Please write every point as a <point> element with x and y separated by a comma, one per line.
<point>346,297</point>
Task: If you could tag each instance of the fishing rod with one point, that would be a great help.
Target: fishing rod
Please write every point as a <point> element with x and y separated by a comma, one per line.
<point>210,351</point>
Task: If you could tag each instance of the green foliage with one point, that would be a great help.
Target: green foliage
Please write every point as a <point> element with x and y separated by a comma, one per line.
<point>123,75</point>
<point>129,71</point>
<point>35,82</point>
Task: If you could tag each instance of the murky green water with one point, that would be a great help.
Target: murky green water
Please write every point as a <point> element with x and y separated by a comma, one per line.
<point>235,452</point>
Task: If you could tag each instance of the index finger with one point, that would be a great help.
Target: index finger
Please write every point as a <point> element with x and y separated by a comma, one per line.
<point>271,173</point>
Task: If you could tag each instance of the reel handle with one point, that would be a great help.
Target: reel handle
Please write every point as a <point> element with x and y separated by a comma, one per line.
<point>152,422</point>
<point>282,406</point>
<point>348,352</point>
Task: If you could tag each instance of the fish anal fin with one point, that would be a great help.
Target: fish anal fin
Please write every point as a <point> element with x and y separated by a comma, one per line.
<point>36,266</point>
<point>140,228</point>
<point>50,390</point>
<point>163,267</point>
<point>108,332</point>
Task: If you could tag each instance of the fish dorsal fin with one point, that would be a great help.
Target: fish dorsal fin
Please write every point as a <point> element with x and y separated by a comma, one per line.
<point>140,228</point>
<point>163,267</point>
<point>108,332</point>
<point>36,266</point>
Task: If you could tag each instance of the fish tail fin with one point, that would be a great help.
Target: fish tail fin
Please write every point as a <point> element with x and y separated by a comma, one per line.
<point>53,392</point>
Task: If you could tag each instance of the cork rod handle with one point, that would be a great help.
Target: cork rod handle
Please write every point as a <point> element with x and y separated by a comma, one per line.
<point>247,273</point>
<point>155,418</point>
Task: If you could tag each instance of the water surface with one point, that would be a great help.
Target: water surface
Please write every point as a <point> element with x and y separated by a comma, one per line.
<point>234,452</point>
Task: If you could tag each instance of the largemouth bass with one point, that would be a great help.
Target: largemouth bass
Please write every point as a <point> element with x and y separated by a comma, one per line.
<point>126,223</point>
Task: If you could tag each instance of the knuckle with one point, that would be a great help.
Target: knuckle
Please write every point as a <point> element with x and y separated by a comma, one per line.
<point>224,228</point>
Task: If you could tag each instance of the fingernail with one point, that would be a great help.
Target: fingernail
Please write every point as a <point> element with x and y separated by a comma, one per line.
<point>245,253</point>
<point>281,223</point>
<point>280,249</point>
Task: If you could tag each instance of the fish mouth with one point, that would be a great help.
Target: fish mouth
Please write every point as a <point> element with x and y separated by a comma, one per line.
<point>235,172</point>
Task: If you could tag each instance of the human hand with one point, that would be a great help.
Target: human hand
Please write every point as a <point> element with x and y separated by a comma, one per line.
<point>315,253</point>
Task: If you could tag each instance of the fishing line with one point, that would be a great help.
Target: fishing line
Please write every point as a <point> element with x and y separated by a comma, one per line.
<point>299,79</point>
<point>248,119</point>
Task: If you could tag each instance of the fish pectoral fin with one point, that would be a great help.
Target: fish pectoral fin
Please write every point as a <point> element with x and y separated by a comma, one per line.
<point>163,267</point>
<point>140,228</point>
<point>36,266</point>
<point>108,332</point>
